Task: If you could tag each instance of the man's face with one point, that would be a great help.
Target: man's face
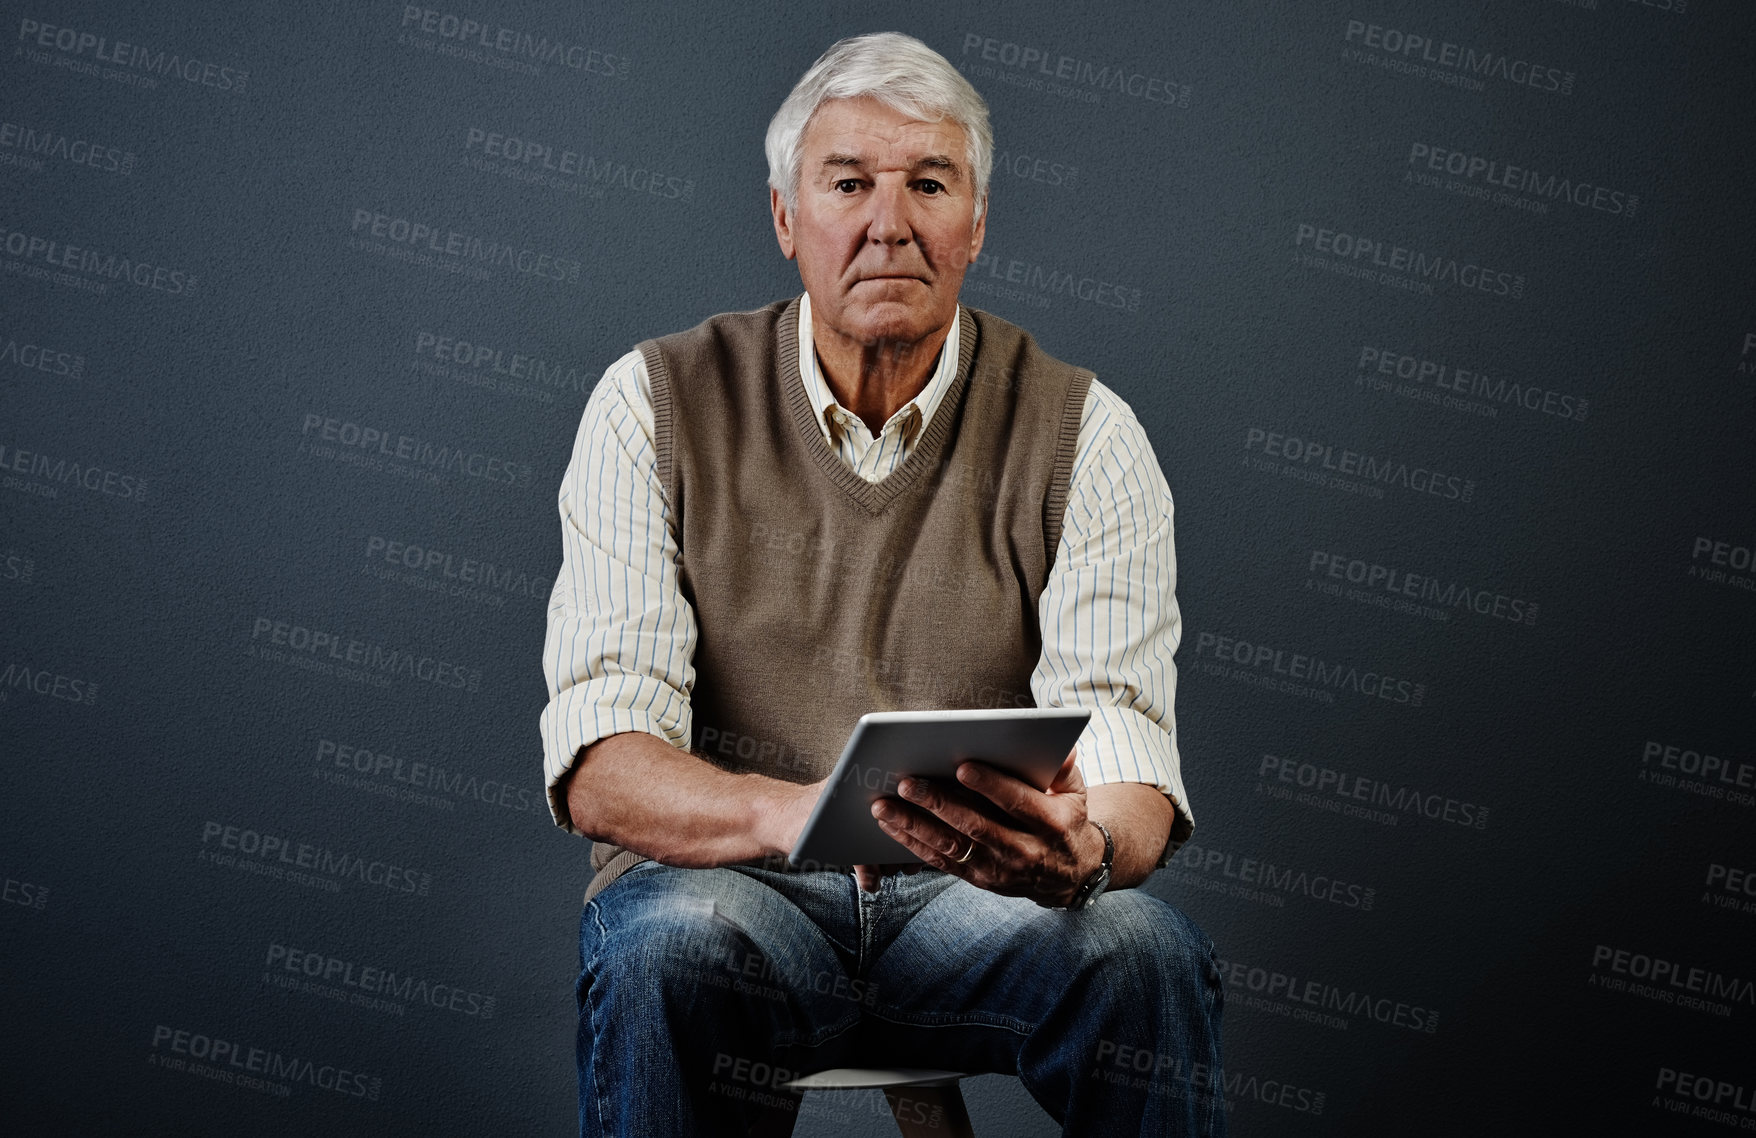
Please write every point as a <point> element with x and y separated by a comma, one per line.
<point>885,225</point>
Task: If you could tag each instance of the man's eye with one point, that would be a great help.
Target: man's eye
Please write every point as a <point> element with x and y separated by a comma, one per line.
<point>929,187</point>
<point>847,185</point>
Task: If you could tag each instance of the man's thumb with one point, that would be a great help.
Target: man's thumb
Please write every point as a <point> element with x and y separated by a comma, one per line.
<point>1068,779</point>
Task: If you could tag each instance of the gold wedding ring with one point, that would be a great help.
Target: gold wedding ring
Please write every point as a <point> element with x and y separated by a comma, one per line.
<point>967,853</point>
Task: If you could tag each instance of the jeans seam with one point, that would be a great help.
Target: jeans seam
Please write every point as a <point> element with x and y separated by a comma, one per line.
<point>827,1034</point>
<point>866,927</point>
<point>597,1055</point>
<point>964,1019</point>
<point>597,917</point>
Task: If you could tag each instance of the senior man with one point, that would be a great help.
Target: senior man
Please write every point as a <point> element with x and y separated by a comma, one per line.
<point>870,498</point>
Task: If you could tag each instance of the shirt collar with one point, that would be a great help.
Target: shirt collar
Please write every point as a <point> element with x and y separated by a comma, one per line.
<point>913,415</point>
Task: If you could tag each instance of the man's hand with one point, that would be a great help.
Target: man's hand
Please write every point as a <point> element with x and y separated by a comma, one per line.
<point>782,818</point>
<point>1026,842</point>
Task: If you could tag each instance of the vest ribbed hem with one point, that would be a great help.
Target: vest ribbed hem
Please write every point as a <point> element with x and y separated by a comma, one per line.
<point>621,863</point>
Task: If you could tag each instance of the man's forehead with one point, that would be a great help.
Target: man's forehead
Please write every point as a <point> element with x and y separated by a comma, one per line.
<point>868,130</point>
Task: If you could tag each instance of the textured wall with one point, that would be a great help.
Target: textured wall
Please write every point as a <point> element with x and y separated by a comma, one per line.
<point>1437,314</point>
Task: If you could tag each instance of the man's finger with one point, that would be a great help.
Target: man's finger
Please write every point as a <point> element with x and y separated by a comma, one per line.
<point>920,831</point>
<point>964,813</point>
<point>1024,803</point>
<point>929,853</point>
<point>1069,779</point>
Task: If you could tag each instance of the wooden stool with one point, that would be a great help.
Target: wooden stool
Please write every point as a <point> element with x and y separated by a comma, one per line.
<point>925,1103</point>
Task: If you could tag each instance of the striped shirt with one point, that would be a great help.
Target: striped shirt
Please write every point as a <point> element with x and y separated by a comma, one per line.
<point>621,635</point>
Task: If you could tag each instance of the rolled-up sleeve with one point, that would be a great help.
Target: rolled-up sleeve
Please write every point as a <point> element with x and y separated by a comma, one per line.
<point>621,635</point>
<point>1109,613</point>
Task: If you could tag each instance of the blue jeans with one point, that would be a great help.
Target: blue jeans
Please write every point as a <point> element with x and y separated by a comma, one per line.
<point>701,991</point>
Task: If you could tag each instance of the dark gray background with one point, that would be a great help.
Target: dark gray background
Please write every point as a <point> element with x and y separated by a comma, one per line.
<point>116,925</point>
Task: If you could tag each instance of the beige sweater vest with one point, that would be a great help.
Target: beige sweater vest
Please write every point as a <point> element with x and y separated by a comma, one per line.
<point>819,596</point>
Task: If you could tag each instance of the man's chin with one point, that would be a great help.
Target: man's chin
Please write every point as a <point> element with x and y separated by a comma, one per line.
<point>890,323</point>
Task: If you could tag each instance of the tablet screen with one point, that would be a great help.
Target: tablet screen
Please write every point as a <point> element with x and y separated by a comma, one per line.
<point>1030,743</point>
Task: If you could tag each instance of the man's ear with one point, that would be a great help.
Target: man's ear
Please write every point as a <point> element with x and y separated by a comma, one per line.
<point>979,234</point>
<point>783,229</point>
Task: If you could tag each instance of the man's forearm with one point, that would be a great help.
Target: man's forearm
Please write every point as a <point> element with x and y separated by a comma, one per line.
<point>1139,817</point>
<point>639,792</point>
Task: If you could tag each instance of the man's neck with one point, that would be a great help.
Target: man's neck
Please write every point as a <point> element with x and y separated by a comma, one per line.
<point>875,380</point>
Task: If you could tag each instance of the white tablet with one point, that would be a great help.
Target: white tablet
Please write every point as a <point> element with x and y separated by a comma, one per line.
<point>1030,743</point>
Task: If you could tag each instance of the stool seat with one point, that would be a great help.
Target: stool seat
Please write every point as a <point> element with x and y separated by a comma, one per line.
<point>853,1078</point>
<point>925,1101</point>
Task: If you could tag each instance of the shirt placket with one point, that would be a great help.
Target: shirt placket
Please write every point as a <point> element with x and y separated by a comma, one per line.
<point>866,455</point>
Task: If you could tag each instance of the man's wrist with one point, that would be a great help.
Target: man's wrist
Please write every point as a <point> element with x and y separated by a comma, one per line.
<point>773,804</point>
<point>1088,862</point>
<point>1094,843</point>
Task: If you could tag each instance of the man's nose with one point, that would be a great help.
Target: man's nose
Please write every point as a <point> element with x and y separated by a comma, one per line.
<point>889,224</point>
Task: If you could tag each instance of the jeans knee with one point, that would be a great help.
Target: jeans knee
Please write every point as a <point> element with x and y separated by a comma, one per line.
<point>1146,944</point>
<point>675,950</point>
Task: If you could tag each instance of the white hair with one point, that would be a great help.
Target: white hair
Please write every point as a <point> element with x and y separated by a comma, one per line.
<point>902,73</point>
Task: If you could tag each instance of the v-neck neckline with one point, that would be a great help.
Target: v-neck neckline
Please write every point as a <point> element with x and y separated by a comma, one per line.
<point>873,497</point>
